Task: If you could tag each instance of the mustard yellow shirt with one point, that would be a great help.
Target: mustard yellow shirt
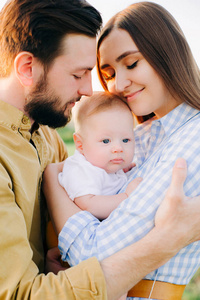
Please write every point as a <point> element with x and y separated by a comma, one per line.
<point>23,158</point>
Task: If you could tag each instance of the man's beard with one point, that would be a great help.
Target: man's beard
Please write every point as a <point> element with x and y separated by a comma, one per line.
<point>42,106</point>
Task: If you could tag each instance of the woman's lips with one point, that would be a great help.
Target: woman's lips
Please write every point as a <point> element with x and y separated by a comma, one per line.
<point>132,96</point>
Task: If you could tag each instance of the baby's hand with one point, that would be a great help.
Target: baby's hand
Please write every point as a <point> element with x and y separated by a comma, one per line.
<point>133,185</point>
<point>132,165</point>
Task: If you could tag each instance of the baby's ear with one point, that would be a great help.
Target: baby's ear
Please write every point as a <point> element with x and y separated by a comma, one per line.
<point>78,142</point>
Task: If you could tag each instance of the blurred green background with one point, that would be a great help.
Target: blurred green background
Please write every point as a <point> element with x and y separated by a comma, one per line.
<point>192,290</point>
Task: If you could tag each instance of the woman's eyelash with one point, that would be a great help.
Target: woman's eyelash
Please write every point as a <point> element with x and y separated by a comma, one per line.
<point>133,65</point>
<point>109,77</point>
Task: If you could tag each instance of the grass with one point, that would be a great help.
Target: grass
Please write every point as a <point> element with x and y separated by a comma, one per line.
<point>192,290</point>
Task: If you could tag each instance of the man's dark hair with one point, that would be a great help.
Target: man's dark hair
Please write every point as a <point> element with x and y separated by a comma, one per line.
<point>38,26</point>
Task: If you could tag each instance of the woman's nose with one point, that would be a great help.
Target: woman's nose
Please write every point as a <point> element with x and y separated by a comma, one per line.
<point>121,82</point>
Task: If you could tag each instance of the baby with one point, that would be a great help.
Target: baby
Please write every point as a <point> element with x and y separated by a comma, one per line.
<point>104,141</point>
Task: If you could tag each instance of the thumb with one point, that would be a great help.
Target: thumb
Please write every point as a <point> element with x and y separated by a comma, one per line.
<point>179,175</point>
<point>174,197</point>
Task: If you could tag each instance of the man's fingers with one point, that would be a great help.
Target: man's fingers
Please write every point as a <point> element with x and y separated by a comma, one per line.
<point>53,262</point>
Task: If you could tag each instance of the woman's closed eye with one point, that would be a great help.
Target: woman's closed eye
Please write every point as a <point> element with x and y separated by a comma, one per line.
<point>108,77</point>
<point>133,65</point>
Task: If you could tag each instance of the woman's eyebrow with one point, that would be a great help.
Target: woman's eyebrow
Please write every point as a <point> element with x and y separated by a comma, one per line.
<point>126,54</point>
<point>104,66</point>
<point>119,58</point>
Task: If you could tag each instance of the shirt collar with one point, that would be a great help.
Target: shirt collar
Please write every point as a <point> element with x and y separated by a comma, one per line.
<point>177,117</point>
<point>15,119</point>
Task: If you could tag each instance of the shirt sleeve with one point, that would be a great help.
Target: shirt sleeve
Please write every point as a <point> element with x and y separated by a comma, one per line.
<point>84,281</point>
<point>84,236</point>
<point>20,278</point>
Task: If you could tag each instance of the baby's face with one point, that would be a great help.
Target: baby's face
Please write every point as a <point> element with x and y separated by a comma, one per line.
<point>108,139</point>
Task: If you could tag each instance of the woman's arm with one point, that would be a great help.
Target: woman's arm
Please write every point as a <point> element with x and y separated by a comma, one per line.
<point>177,224</point>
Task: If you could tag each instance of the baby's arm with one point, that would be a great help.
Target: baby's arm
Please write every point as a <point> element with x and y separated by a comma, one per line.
<point>101,206</point>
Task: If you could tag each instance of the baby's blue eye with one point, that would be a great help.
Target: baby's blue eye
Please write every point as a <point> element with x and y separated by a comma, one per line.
<point>106,141</point>
<point>125,140</point>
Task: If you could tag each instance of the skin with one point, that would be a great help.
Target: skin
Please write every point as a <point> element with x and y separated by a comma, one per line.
<point>104,142</point>
<point>176,229</point>
<point>139,84</point>
<point>108,145</point>
<point>176,225</point>
<point>68,78</point>
<point>143,89</point>
<point>128,74</point>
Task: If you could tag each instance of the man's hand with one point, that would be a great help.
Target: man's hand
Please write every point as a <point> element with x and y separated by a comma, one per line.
<point>53,262</point>
<point>179,212</point>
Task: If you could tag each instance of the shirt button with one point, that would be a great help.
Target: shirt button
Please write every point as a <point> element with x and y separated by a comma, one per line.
<point>24,120</point>
<point>13,127</point>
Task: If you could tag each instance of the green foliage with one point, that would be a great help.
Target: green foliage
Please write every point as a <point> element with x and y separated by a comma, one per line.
<point>66,134</point>
<point>192,290</point>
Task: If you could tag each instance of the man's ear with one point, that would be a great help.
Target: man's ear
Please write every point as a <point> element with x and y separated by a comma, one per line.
<point>78,142</point>
<point>23,65</point>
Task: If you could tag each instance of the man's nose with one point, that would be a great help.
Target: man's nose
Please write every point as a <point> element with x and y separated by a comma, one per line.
<point>86,86</point>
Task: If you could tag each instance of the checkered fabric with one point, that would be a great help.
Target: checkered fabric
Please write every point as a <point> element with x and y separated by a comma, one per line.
<point>158,144</point>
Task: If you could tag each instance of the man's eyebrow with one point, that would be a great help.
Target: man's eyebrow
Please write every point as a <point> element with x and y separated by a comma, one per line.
<point>83,69</point>
<point>123,55</point>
